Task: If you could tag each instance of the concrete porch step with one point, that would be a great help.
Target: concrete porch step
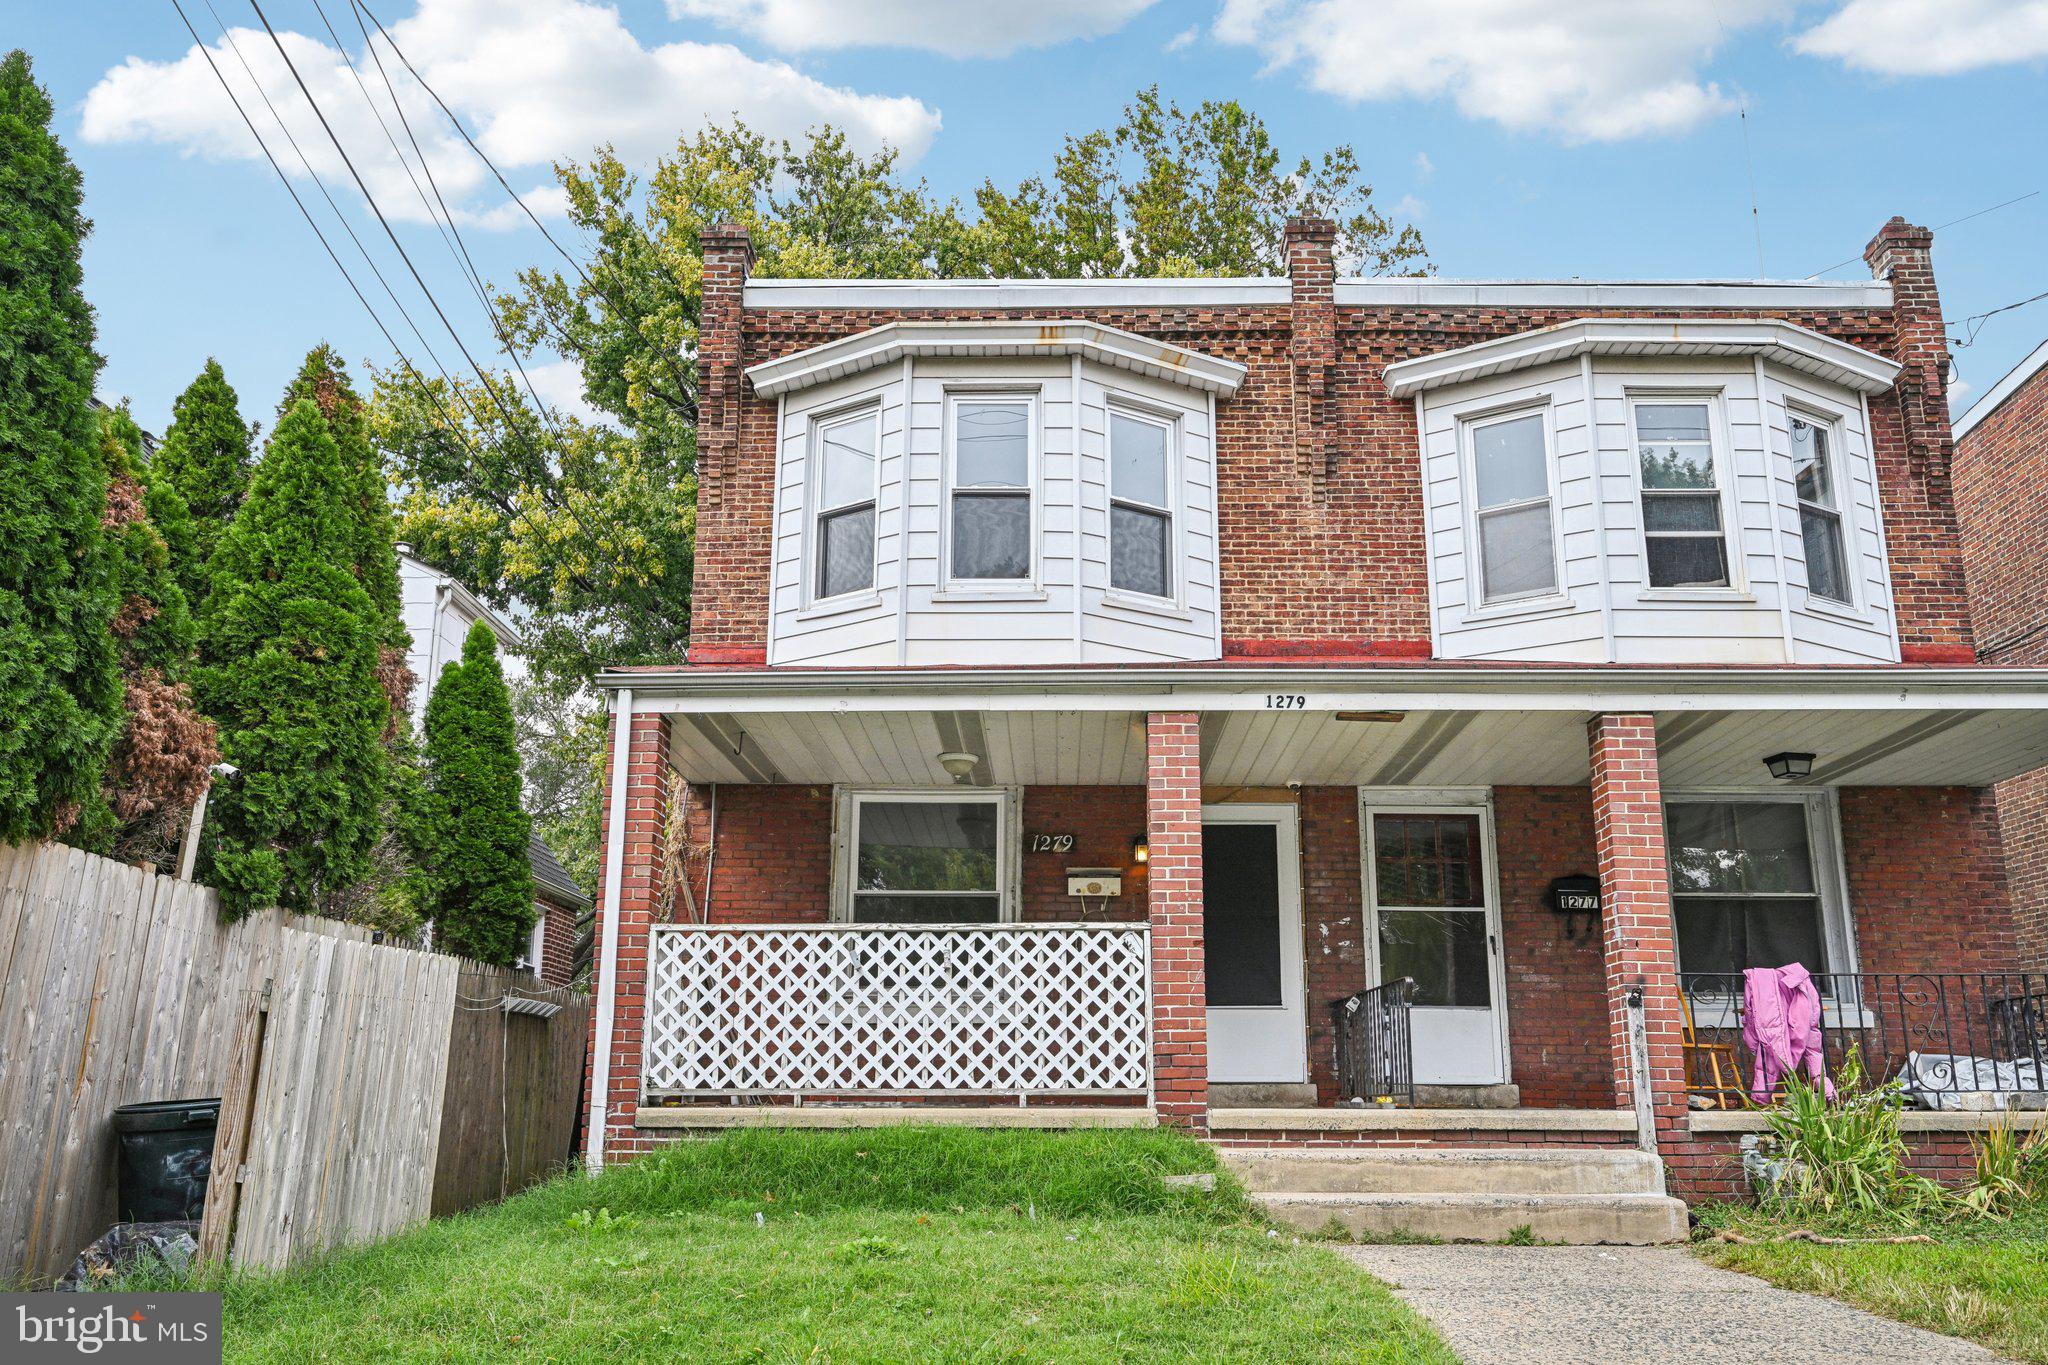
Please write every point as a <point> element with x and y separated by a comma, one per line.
<point>1576,1219</point>
<point>1368,1170</point>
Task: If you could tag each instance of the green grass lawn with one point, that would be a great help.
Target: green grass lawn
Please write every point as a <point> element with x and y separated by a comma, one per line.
<point>1984,1278</point>
<point>893,1244</point>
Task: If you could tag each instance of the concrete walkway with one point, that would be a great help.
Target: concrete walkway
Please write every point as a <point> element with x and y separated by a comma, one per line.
<point>1633,1304</point>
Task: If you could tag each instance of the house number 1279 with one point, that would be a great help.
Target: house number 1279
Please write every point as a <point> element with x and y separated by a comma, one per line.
<point>1052,843</point>
<point>1286,701</point>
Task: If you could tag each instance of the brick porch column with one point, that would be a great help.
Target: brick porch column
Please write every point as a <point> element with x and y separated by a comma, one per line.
<point>632,905</point>
<point>1635,887</point>
<point>1173,827</point>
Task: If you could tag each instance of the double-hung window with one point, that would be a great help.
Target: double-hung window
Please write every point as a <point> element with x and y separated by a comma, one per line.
<point>1511,483</point>
<point>992,489</point>
<point>1820,509</point>
<point>927,858</point>
<point>1746,887</point>
<point>1682,530</point>
<point>845,533</point>
<point>1140,504</point>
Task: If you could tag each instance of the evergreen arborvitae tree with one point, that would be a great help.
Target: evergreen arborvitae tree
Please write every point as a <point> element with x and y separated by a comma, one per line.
<point>60,687</point>
<point>205,457</point>
<point>481,883</point>
<point>372,554</point>
<point>289,670</point>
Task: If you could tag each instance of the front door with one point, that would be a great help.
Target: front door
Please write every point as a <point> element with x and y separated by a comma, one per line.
<point>1251,944</point>
<point>1429,886</point>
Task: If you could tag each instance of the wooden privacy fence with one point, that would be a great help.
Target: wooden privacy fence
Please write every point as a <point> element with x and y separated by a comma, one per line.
<point>363,1086</point>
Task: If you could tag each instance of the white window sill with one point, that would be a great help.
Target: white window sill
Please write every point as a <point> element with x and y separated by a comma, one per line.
<point>1839,611</point>
<point>1150,606</point>
<point>840,606</point>
<point>948,596</point>
<point>1726,596</point>
<point>1520,606</point>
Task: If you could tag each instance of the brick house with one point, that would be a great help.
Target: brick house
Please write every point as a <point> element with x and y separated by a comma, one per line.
<point>1096,684</point>
<point>2001,462</point>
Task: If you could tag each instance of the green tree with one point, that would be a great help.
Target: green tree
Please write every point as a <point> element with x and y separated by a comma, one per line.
<point>159,763</point>
<point>206,457</point>
<point>60,685</point>
<point>481,883</point>
<point>289,670</point>
<point>323,379</point>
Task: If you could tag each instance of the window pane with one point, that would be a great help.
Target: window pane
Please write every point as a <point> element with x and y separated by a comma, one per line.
<point>927,846</point>
<point>1677,466</point>
<point>1682,512</point>
<point>1137,460</point>
<point>1515,552</point>
<point>1727,934</point>
<point>1810,463</point>
<point>1508,457</point>
<point>1672,422</point>
<point>848,453</point>
<point>846,551</point>
<point>1426,860</point>
<point>1444,950</point>
<point>1709,939</point>
<point>1737,846</point>
<point>1138,551</point>
<point>1241,915</point>
<point>882,909</point>
<point>992,445</point>
<point>1826,574</point>
<point>1702,841</point>
<point>1688,562</point>
<point>991,535</point>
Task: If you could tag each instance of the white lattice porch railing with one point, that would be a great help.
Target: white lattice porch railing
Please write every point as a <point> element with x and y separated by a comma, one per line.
<point>818,1010</point>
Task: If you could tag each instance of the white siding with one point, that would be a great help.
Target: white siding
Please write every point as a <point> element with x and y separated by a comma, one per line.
<point>1067,614</point>
<point>1765,616</point>
<point>437,617</point>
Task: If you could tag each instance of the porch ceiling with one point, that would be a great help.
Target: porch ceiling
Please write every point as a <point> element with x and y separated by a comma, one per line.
<point>1899,746</point>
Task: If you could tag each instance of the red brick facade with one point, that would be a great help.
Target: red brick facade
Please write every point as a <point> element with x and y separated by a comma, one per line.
<point>557,943</point>
<point>1173,825</point>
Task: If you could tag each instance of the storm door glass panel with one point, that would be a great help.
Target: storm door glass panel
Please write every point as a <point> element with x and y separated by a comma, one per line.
<point>992,490</point>
<point>1140,515</point>
<point>927,862</point>
<point>1511,477</point>
<point>846,506</point>
<point>1744,892</point>
<point>1681,496</point>
<point>1241,914</point>
<point>1820,516</point>
<point>1430,899</point>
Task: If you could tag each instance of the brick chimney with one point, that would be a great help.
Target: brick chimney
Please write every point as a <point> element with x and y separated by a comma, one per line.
<point>728,252</point>
<point>1310,245</point>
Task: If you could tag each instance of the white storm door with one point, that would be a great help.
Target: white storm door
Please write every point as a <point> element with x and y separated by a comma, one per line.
<point>1429,886</point>
<point>1251,944</point>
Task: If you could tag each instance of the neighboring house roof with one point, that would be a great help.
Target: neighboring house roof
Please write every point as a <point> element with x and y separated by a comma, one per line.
<point>149,441</point>
<point>551,881</point>
<point>508,638</point>
<point>2005,388</point>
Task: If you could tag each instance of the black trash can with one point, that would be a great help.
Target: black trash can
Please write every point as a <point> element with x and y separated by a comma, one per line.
<point>166,1156</point>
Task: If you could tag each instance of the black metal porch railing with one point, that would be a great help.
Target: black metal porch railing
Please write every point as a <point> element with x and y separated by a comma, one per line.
<point>1955,1040</point>
<point>1375,1050</point>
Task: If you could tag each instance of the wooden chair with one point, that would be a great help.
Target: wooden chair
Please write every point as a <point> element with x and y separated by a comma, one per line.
<point>1711,1069</point>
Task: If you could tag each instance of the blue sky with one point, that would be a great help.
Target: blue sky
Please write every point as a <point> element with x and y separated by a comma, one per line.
<point>1526,138</point>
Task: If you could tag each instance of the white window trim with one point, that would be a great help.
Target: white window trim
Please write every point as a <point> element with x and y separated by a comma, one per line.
<point>1721,449</point>
<point>953,588</point>
<point>1478,606</point>
<point>1830,879</point>
<point>1008,804</point>
<point>866,408</point>
<point>1835,424</point>
<point>1137,409</point>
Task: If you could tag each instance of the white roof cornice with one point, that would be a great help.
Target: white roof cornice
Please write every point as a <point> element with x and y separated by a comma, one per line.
<point>1783,343</point>
<point>891,342</point>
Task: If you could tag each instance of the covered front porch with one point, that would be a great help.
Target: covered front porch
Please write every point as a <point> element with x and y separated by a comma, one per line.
<point>1192,894</point>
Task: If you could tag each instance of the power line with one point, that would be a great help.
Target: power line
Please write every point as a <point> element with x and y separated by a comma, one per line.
<point>1975,322</point>
<point>1942,227</point>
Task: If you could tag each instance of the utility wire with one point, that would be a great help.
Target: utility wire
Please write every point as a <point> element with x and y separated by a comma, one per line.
<point>1975,322</point>
<point>1942,227</point>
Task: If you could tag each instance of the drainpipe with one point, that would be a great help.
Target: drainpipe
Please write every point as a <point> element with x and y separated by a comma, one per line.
<point>608,936</point>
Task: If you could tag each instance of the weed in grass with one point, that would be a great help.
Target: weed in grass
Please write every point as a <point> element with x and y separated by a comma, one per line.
<point>1521,1235</point>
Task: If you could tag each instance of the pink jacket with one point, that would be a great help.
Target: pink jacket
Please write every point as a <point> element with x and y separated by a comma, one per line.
<point>1781,1025</point>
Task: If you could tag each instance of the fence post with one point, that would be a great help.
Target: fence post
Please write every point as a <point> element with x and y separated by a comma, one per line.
<point>231,1138</point>
<point>1639,1078</point>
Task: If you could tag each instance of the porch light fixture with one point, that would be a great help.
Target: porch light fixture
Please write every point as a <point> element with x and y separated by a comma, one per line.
<point>960,766</point>
<point>1141,849</point>
<point>1789,767</point>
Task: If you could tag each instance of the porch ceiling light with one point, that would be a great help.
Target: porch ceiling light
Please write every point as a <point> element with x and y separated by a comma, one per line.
<point>1790,767</point>
<point>960,766</point>
<point>1141,848</point>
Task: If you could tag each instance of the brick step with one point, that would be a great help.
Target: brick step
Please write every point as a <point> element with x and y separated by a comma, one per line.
<point>1575,1219</point>
<point>1479,1170</point>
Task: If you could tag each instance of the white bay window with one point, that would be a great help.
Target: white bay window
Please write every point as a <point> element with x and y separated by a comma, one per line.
<point>1681,487</point>
<point>1140,504</point>
<point>1820,511</point>
<point>1511,488</point>
<point>991,482</point>
<point>844,540</point>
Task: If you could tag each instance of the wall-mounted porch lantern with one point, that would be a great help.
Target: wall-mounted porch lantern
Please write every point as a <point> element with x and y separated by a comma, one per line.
<point>1790,767</point>
<point>1141,849</point>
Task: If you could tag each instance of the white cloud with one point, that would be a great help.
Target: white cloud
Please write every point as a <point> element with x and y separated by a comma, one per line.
<point>535,80</point>
<point>1183,39</point>
<point>560,385</point>
<point>954,28</point>
<point>1408,207</point>
<point>1586,70</point>
<point>1930,37</point>
<point>1424,167</point>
